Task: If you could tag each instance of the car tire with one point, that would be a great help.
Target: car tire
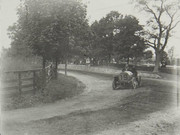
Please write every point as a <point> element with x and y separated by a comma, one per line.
<point>134,83</point>
<point>139,81</point>
<point>114,85</point>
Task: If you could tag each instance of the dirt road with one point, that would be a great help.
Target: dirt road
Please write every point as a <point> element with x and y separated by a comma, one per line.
<point>96,111</point>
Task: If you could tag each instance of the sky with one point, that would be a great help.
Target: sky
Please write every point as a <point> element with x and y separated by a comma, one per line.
<point>96,9</point>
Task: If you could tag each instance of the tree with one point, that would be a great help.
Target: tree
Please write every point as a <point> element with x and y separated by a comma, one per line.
<point>104,35</point>
<point>171,55</point>
<point>31,29</point>
<point>117,37</point>
<point>51,28</point>
<point>94,43</point>
<point>148,54</point>
<point>164,59</point>
<point>128,42</point>
<point>164,18</point>
<point>18,48</point>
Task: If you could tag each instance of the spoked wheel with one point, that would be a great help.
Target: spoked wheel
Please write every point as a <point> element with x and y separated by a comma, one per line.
<point>114,85</point>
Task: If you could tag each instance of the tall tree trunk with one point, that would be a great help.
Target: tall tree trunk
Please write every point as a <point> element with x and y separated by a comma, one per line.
<point>109,59</point>
<point>44,63</point>
<point>135,61</point>
<point>44,70</point>
<point>128,60</point>
<point>65,66</point>
<point>56,68</point>
<point>43,74</point>
<point>157,62</point>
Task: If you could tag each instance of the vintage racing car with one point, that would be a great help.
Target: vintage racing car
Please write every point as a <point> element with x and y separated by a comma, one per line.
<point>126,79</point>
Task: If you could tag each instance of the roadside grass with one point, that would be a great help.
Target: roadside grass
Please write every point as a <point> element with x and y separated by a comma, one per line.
<point>62,88</point>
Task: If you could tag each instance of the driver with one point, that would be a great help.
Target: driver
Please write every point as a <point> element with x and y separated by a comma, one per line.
<point>130,69</point>
<point>126,68</point>
<point>134,71</point>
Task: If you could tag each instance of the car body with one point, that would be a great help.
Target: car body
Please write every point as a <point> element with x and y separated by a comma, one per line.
<point>126,79</point>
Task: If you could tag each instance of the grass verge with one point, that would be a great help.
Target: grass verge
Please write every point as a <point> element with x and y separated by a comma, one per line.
<point>62,88</point>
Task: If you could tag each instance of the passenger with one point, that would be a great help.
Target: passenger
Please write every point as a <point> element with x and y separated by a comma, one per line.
<point>134,71</point>
<point>126,68</point>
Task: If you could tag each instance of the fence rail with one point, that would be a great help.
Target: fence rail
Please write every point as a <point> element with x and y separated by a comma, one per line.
<point>21,79</point>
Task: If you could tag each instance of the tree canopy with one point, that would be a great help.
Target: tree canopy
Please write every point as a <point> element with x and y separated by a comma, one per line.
<point>118,37</point>
<point>50,28</point>
<point>59,30</point>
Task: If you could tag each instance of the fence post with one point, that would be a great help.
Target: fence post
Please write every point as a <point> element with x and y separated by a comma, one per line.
<point>20,82</point>
<point>34,82</point>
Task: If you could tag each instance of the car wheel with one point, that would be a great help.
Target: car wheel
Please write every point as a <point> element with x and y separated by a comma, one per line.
<point>114,85</point>
<point>139,81</point>
<point>134,84</point>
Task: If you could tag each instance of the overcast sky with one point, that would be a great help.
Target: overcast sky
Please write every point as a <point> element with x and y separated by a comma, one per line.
<point>96,9</point>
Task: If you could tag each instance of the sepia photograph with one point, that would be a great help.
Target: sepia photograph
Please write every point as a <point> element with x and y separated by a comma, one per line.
<point>89,67</point>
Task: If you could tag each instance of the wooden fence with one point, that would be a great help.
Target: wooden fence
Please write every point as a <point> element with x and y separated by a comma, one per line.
<point>26,80</point>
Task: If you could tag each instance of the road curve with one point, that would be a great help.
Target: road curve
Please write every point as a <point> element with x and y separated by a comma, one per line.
<point>98,96</point>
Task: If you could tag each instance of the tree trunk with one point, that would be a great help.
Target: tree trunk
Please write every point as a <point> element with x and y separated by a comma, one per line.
<point>128,60</point>
<point>157,62</point>
<point>135,61</point>
<point>109,59</point>
<point>44,63</point>
<point>65,66</point>
<point>56,68</point>
<point>43,74</point>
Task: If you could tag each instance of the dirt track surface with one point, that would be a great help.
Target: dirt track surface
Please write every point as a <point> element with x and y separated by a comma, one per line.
<point>99,110</point>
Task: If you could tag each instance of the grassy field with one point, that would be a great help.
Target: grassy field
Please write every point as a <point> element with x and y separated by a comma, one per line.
<point>62,88</point>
